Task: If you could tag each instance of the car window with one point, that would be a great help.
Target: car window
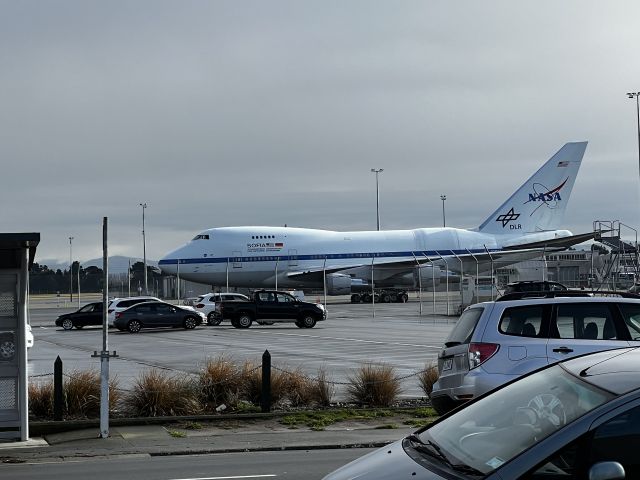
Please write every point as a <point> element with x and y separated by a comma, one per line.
<point>266,297</point>
<point>87,308</point>
<point>587,321</point>
<point>617,441</point>
<point>466,324</point>
<point>563,465</point>
<point>522,321</point>
<point>162,308</point>
<point>282,298</point>
<point>143,309</point>
<point>631,314</point>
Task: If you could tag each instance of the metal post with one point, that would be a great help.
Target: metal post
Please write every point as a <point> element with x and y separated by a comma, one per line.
<point>419,282</point>
<point>266,382</point>
<point>324,285</point>
<point>57,390</point>
<point>373,291</point>
<point>444,222</point>
<point>277,260</point>
<point>227,274</point>
<point>178,281</point>
<point>144,250</point>
<point>104,357</point>
<point>78,285</point>
<point>129,277</point>
<point>70,269</point>
<point>377,171</point>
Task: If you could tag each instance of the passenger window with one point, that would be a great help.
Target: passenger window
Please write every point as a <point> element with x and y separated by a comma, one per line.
<point>617,441</point>
<point>631,314</point>
<point>562,465</point>
<point>143,309</point>
<point>522,321</point>
<point>284,298</point>
<point>585,321</point>
<point>161,308</point>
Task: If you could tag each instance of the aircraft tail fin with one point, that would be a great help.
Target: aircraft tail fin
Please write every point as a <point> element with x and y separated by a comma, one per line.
<point>539,204</point>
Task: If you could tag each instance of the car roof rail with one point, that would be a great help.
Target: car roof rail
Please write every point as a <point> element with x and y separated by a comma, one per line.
<point>566,293</point>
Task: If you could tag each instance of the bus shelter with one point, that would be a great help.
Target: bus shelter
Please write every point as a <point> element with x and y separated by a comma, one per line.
<point>17,251</point>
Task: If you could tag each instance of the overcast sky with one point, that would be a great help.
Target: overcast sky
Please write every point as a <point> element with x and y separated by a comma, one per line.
<point>223,113</point>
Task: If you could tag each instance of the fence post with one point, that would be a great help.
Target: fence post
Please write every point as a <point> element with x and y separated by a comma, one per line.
<point>57,389</point>
<point>266,382</point>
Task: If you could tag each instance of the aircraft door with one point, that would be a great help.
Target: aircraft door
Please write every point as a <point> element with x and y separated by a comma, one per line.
<point>237,259</point>
<point>293,258</point>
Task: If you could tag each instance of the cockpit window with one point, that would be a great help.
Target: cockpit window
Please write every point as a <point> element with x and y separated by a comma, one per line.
<point>202,236</point>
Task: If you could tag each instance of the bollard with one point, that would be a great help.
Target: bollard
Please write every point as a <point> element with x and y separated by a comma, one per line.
<point>266,382</point>
<point>57,390</point>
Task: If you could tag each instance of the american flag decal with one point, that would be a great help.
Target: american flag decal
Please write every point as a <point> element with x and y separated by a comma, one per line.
<point>563,164</point>
<point>278,244</point>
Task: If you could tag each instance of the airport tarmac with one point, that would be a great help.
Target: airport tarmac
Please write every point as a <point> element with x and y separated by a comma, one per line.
<point>353,335</point>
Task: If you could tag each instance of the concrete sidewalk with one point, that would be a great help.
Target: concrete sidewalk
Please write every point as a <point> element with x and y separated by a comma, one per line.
<point>198,438</point>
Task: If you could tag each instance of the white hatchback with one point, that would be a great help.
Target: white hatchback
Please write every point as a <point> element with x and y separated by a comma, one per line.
<point>206,304</point>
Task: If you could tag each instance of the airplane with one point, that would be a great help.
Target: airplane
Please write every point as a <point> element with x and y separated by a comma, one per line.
<point>522,228</point>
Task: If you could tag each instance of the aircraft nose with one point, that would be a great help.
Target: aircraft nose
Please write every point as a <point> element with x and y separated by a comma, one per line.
<point>168,263</point>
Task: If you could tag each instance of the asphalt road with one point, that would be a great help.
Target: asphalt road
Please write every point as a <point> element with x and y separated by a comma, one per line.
<point>351,336</point>
<point>291,465</point>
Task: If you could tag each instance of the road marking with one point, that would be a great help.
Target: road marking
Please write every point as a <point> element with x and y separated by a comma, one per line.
<point>376,342</point>
<point>228,478</point>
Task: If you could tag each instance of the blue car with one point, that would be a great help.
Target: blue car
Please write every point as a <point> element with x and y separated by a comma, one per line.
<point>577,419</point>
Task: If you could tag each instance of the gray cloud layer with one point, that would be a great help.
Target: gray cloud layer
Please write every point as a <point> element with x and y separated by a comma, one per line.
<point>251,113</point>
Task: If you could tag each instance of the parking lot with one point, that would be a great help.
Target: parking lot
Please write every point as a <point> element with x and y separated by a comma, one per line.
<point>351,336</point>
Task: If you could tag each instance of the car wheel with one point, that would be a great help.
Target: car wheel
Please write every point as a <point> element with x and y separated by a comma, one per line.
<point>7,349</point>
<point>213,319</point>
<point>307,321</point>
<point>67,324</point>
<point>190,323</point>
<point>386,298</point>
<point>355,298</point>
<point>244,320</point>
<point>134,326</point>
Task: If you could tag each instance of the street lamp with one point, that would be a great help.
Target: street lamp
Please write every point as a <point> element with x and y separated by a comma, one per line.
<point>70,269</point>
<point>144,249</point>
<point>443,198</point>
<point>377,171</point>
<point>635,95</point>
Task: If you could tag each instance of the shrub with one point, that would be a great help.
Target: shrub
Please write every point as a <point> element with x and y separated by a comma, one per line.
<point>41,399</point>
<point>158,393</point>
<point>219,381</point>
<point>324,389</point>
<point>427,378</point>
<point>82,394</point>
<point>375,385</point>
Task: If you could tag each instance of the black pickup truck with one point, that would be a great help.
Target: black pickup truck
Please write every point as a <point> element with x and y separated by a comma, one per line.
<point>268,307</point>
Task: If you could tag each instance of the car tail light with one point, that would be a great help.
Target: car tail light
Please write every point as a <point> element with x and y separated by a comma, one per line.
<point>200,305</point>
<point>480,353</point>
<point>118,315</point>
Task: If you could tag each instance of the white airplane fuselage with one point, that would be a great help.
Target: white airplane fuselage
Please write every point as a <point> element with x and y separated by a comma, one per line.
<point>254,256</point>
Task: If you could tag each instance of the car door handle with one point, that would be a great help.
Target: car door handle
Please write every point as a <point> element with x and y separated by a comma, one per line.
<point>563,350</point>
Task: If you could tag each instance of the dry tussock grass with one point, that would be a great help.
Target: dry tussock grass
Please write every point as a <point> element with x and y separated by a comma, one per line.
<point>375,385</point>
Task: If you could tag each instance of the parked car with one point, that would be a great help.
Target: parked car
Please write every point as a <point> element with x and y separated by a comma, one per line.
<point>534,286</point>
<point>495,342</point>
<point>270,306</point>
<point>90,314</point>
<point>207,304</point>
<point>579,419</point>
<point>119,304</point>
<point>152,314</point>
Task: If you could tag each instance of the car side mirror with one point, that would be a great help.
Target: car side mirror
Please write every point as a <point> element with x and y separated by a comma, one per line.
<point>606,471</point>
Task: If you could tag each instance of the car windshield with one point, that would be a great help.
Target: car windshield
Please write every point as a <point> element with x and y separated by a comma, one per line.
<point>497,428</point>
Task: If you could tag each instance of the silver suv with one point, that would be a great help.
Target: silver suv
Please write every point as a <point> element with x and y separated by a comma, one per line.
<point>495,342</point>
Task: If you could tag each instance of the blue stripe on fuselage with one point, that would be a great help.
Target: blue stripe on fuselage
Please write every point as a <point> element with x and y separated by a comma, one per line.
<point>328,256</point>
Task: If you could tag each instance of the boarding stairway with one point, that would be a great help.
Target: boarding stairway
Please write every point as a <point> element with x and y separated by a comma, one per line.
<point>625,263</point>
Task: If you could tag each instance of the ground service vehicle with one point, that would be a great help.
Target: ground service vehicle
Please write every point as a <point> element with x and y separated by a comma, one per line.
<point>270,306</point>
<point>157,314</point>
<point>495,342</point>
<point>579,419</point>
<point>386,295</point>
<point>90,314</point>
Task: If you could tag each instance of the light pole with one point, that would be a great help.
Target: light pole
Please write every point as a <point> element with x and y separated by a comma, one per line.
<point>377,171</point>
<point>70,269</point>
<point>144,249</point>
<point>443,198</point>
<point>635,95</point>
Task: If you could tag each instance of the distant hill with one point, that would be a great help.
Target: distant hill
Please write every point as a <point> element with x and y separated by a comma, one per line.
<point>117,263</point>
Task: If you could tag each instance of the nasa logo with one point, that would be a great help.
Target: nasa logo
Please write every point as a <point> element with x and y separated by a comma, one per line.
<point>546,195</point>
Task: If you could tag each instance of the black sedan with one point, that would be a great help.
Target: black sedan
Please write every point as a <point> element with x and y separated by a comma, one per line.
<point>157,314</point>
<point>578,419</point>
<point>90,314</point>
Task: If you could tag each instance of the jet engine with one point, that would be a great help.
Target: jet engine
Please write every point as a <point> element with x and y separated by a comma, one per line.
<point>338,284</point>
<point>427,275</point>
